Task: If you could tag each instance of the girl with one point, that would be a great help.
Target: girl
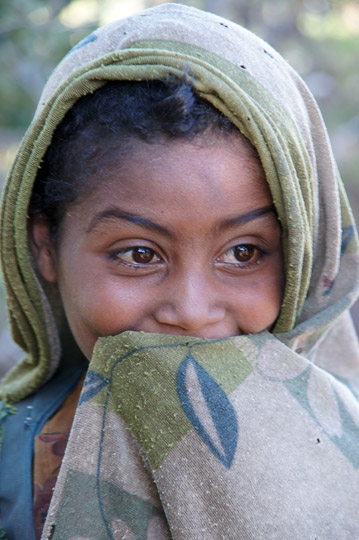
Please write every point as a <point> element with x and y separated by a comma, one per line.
<point>174,227</point>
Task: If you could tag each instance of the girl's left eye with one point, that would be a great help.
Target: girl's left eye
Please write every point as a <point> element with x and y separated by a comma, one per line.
<point>136,255</point>
<point>241,255</point>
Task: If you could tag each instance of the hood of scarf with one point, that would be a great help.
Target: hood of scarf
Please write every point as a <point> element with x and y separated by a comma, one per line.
<point>253,85</point>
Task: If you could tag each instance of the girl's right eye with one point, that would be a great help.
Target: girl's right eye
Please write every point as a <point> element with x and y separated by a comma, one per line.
<point>139,255</point>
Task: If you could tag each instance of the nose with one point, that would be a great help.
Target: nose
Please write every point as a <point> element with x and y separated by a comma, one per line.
<point>190,305</point>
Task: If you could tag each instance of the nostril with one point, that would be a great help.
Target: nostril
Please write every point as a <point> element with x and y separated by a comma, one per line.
<point>190,318</point>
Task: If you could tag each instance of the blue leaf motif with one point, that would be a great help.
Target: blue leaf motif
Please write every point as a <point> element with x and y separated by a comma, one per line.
<point>88,39</point>
<point>93,384</point>
<point>215,405</point>
<point>347,235</point>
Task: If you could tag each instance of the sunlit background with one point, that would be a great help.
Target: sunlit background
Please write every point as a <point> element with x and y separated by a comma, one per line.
<point>320,38</point>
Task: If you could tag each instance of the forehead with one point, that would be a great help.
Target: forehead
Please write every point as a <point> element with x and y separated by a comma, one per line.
<point>197,174</point>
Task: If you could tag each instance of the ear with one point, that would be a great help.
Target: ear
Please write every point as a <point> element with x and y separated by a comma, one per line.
<point>42,247</point>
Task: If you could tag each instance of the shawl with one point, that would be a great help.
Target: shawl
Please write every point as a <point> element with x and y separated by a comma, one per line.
<point>247,437</point>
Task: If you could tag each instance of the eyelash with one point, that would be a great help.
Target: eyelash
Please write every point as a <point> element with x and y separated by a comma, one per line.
<point>114,255</point>
<point>258,254</point>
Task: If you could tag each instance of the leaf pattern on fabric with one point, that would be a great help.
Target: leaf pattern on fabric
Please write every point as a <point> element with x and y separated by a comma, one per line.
<point>331,405</point>
<point>347,235</point>
<point>273,365</point>
<point>88,39</point>
<point>323,403</point>
<point>350,402</point>
<point>93,384</point>
<point>114,511</point>
<point>208,409</point>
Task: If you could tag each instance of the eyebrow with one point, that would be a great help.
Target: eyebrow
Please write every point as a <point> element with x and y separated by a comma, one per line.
<point>245,218</point>
<point>117,213</point>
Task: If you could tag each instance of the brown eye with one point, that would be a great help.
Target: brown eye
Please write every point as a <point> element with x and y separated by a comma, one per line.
<point>243,253</point>
<point>136,255</point>
<point>142,255</point>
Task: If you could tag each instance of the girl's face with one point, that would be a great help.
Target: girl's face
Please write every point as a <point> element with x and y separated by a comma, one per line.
<point>181,238</point>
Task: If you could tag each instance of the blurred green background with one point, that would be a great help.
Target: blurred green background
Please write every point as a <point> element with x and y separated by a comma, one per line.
<point>319,38</point>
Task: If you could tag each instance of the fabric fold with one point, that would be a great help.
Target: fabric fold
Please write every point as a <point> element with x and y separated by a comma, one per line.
<point>175,436</point>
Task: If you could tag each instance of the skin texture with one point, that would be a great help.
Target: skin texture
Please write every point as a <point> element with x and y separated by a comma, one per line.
<point>154,247</point>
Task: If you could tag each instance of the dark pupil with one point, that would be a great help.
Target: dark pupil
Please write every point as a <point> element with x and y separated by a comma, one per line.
<point>243,253</point>
<point>142,255</point>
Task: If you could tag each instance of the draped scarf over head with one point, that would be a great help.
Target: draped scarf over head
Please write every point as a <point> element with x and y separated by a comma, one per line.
<point>201,416</point>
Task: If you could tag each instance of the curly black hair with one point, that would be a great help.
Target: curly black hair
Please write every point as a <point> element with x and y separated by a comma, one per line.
<point>102,127</point>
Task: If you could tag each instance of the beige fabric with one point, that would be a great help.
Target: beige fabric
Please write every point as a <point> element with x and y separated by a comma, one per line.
<point>187,438</point>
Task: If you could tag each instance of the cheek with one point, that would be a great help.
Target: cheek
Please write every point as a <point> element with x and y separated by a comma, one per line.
<point>260,302</point>
<point>96,308</point>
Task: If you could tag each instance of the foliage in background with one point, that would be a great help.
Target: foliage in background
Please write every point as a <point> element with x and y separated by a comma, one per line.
<point>320,38</point>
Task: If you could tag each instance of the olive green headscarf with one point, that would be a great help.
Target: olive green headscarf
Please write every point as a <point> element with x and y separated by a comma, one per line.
<point>249,82</point>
